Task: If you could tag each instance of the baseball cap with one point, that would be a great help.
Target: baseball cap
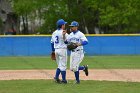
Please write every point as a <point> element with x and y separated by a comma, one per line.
<point>61,22</point>
<point>74,23</point>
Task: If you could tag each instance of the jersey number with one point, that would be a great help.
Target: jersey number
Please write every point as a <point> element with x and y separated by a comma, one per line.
<point>56,39</point>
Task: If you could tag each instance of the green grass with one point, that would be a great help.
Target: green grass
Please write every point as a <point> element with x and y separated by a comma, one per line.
<point>95,62</point>
<point>48,86</point>
<point>113,62</point>
<point>26,63</point>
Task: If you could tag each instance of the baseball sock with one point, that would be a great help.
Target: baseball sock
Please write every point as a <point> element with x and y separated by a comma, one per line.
<point>57,73</point>
<point>81,67</point>
<point>63,73</point>
<point>77,76</point>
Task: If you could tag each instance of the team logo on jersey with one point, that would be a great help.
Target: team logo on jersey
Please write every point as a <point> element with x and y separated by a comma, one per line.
<point>74,40</point>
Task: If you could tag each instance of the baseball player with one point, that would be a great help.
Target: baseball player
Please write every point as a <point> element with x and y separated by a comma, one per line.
<point>77,54</point>
<point>58,45</point>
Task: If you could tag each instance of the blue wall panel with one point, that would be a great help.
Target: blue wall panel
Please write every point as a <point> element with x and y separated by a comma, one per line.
<point>98,45</point>
<point>113,45</point>
<point>20,46</point>
<point>24,46</point>
<point>6,46</point>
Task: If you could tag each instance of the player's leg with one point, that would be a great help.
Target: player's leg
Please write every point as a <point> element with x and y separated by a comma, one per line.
<point>85,67</point>
<point>74,66</point>
<point>81,56</point>
<point>57,73</point>
<point>76,73</point>
<point>63,64</point>
<point>56,78</point>
<point>75,60</point>
<point>86,70</point>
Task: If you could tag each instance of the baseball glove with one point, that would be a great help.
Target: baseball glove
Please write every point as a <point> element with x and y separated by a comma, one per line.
<point>53,56</point>
<point>72,46</point>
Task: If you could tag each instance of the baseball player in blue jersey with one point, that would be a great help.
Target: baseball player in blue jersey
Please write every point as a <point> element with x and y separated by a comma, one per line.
<point>58,45</point>
<point>77,54</point>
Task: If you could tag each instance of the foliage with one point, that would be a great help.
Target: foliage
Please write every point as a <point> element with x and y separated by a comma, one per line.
<point>0,22</point>
<point>121,15</point>
<point>110,16</point>
<point>57,9</point>
<point>49,11</point>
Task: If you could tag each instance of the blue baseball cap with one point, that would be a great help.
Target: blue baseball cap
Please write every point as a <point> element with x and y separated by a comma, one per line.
<point>74,23</point>
<point>61,22</point>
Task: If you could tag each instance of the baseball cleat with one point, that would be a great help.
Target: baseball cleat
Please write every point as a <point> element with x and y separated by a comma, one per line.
<point>86,70</point>
<point>77,82</point>
<point>57,80</point>
<point>64,82</point>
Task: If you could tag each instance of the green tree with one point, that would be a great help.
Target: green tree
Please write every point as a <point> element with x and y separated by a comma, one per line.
<point>119,16</point>
<point>0,22</point>
<point>110,16</point>
<point>49,10</point>
<point>23,8</point>
<point>55,10</point>
<point>0,26</point>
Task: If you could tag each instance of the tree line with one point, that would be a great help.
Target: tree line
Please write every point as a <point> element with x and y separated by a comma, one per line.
<point>94,16</point>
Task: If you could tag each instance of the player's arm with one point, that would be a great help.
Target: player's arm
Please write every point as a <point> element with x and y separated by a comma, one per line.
<point>52,46</point>
<point>66,38</point>
<point>84,40</point>
<point>52,43</point>
<point>53,57</point>
<point>82,43</point>
<point>64,34</point>
<point>53,50</point>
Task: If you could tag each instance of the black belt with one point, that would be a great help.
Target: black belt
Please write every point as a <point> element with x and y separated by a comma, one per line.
<point>76,50</point>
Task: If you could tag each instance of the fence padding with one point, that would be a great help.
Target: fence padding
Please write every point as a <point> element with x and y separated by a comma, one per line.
<point>40,45</point>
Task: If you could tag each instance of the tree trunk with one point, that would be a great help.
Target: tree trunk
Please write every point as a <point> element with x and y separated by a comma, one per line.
<point>26,18</point>
<point>85,26</point>
<point>24,25</point>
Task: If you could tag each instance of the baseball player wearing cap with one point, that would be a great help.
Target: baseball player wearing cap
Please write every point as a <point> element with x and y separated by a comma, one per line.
<point>77,54</point>
<point>58,45</point>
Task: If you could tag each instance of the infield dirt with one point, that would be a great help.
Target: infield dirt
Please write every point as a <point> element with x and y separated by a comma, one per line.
<point>127,75</point>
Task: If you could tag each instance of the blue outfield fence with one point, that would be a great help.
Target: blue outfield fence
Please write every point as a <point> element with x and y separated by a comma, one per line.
<point>113,45</point>
<point>98,45</point>
<point>25,46</point>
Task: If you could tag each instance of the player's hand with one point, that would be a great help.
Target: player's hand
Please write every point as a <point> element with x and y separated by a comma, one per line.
<point>64,32</point>
<point>53,57</point>
<point>78,44</point>
<point>70,30</point>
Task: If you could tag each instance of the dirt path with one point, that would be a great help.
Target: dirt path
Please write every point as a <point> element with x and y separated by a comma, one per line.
<point>131,75</point>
